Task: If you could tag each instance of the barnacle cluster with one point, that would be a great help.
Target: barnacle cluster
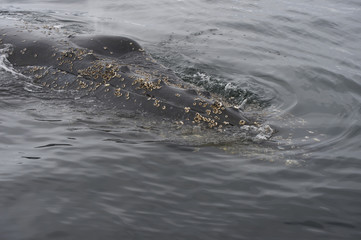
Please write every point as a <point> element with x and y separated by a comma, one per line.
<point>213,113</point>
<point>147,84</point>
<point>117,92</point>
<point>217,107</point>
<point>211,122</point>
<point>99,69</point>
<point>71,55</point>
<point>22,51</point>
<point>38,71</point>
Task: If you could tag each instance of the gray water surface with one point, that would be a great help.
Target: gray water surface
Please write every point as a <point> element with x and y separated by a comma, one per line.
<point>72,169</point>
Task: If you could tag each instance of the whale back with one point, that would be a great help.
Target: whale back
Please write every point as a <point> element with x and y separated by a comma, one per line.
<point>30,48</point>
<point>115,46</point>
<point>116,70</point>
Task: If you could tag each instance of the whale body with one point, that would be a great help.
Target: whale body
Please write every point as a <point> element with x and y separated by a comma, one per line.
<point>116,70</point>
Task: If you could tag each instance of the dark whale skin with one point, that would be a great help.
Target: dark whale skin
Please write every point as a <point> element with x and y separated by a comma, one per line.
<point>117,71</point>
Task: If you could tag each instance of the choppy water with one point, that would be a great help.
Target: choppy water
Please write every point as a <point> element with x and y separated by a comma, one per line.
<point>70,170</point>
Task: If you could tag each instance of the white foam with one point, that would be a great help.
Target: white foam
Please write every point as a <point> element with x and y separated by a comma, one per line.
<point>260,133</point>
<point>202,76</point>
<point>30,87</point>
<point>5,65</point>
<point>230,86</point>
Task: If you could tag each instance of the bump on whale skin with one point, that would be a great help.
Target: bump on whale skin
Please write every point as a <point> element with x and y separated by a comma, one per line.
<point>117,71</point>
<point>114,46</point>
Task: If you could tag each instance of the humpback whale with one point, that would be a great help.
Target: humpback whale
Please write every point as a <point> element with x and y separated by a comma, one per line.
<point>115,70</point>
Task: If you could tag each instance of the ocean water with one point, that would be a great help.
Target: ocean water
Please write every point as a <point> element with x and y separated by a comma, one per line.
<point>70,168</point>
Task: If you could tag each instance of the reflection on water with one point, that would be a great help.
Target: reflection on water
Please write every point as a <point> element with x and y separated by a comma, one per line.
<point>70,169</point>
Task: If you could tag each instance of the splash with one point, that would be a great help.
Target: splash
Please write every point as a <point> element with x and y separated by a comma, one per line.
<point>259,133</point>
<point>234,94</point>
<point>5,65</point>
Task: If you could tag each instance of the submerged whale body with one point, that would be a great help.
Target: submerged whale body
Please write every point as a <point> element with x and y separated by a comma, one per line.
<point>115,70</point>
